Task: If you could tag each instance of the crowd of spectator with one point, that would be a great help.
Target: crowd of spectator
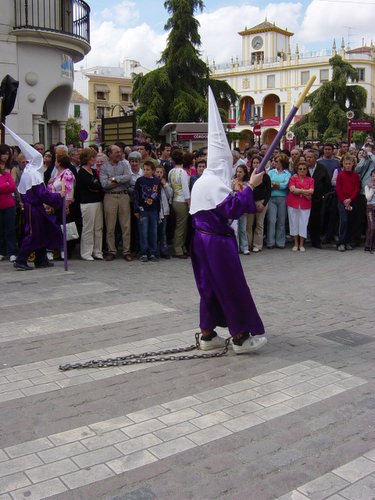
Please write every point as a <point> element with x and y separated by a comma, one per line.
<point>135,200</point>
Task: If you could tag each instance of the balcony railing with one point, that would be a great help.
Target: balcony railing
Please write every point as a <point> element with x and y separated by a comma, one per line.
<point>70,17</point>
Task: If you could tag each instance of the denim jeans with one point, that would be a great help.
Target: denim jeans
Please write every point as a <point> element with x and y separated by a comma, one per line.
<point>276,216</point>
<point>8,231</point>
<point>345,223</point>
<point>243,244</point>
<point>162,237</point>
<point>148,232</point>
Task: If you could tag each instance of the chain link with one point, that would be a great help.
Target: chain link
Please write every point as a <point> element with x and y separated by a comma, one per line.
<point>148,357</point>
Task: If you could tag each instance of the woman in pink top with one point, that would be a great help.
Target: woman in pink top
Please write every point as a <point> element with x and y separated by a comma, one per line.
<point>298,202</point>
<point>62,171</point>
<point>7,208</point>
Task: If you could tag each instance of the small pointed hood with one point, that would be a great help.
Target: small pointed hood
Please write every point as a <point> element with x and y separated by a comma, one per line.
<point>32,174</point>
<point>215,183</point>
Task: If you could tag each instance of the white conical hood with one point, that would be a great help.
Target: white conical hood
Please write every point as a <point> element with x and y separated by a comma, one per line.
<point>32,174</point>
<point>215,183</point>
<point>219,158</point>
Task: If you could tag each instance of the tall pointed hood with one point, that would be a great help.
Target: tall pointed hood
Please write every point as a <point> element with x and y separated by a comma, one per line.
<point>215,183</point>
<point>219,158</point>
<point>33,172</point>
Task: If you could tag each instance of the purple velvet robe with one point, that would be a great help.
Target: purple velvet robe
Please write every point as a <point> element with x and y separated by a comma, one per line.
<point>41,230</point>
<point>225,296</point>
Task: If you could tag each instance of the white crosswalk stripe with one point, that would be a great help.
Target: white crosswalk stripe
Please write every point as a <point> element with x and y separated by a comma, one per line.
<point>67,322</point>
<point>80,456</point>
<point>28,295</point>
<point>353,480</point>
<point>44,376</point>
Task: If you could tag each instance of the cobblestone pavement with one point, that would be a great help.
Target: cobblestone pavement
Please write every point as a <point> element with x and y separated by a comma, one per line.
<point>293,421</point>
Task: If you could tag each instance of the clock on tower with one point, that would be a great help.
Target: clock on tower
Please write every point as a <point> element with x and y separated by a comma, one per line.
<point>257,42</point>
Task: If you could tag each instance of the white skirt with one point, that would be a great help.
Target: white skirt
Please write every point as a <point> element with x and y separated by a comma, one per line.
<point>298,221</point>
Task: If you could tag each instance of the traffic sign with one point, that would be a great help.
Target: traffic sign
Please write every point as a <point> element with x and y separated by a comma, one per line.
<point>257,130</point>
<point>83,135</point>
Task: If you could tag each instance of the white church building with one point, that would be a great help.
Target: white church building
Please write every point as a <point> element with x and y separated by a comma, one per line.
<point>270,76</point>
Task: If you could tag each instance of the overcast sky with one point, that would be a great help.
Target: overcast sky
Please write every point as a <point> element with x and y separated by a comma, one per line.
<point>134,29</point>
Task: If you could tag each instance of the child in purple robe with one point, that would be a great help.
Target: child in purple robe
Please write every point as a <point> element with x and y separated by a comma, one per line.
<point>41,228</point>
<point>225,298</point>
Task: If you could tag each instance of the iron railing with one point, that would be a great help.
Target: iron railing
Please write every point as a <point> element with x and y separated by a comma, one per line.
<point>70,17</point>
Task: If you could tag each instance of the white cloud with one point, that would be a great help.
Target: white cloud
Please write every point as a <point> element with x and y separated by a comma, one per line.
<point>121,13</point>
<point>110,44</point>
<point>115,36</point>
<point>219,29</point>
<point>325,20</point>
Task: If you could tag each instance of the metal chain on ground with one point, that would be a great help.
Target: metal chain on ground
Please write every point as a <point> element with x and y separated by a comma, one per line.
<point>148,357</point>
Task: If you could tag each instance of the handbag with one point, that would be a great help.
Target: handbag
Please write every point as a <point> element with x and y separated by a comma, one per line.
<point>71,231</point>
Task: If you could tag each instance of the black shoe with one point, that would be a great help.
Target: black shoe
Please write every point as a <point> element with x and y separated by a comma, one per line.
<point>22,267</point>
<point>317,245</point>
<point>240,340</point>
<point>41,265</point>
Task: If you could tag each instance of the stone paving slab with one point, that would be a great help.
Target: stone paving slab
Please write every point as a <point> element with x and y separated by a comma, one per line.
<point>44,376</point>
<point>88,454</point>
<point>55,293</point>
<point>298,440</point>
<point>354,480</point>
<point>66,322</point>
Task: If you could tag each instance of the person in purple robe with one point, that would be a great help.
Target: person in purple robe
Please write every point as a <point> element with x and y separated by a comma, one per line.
<point>41,228</point>
<point>225,298</point>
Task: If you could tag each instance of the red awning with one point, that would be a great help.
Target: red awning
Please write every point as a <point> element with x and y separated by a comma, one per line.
<point>272,121</point>
<point>191,136</point>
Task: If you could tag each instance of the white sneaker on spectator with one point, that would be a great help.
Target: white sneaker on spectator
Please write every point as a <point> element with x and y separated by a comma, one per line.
<point>246,252</point>
<point>50,255</point>
<point>62,255</point>
<point>255,250</point>
<point>214,343</point>
<point>12,258</point>
<point>251,344</point>
<point>2,257</point>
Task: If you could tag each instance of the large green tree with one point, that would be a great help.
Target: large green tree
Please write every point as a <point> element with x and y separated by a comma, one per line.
<point>176,92</point>
<point>330,102</point>
<point>72,129</point>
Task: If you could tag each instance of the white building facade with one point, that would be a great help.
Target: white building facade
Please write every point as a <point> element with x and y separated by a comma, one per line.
<point>40,40</point>
<point>79,110</point>
<point>269,78</point>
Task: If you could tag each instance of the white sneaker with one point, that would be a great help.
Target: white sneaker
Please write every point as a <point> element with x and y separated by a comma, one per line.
<point>255,250</point>
<point>12,258</point>
<point>215,343</point>
<point>246,252</point>
<point>2,257</point>
<point>50,255</point>
<point>62,255</point>
<point>250,345</point>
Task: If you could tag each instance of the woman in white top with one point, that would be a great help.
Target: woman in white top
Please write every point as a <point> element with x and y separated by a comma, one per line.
<point>179,182</point>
